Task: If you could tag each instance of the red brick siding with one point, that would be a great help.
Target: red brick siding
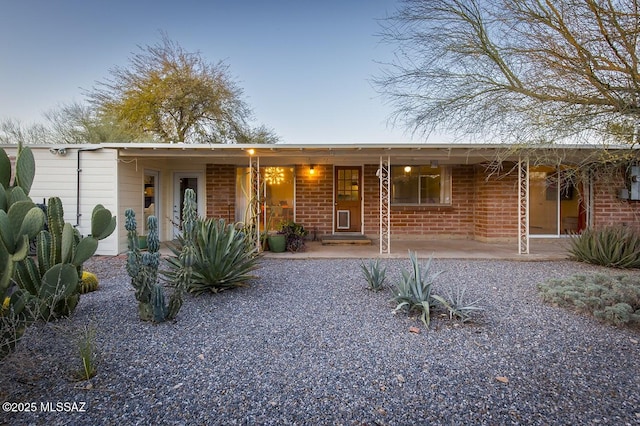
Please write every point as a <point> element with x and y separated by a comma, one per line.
<point>314,199</point>
<point>371,199</point>
<point>608,209</point>
<point>496,206</point>
<point>221,191</point>
<point>455,221</point>
<point>482,208</point>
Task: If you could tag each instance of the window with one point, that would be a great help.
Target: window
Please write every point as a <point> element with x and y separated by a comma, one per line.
<point>421,185</point>
<point>277,196</point>
<point>151,179</point>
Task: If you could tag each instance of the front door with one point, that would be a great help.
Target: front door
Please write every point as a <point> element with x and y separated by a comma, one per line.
<point>348,199</point>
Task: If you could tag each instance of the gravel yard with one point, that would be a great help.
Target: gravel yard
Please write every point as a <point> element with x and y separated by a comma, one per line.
<point>306,343</point>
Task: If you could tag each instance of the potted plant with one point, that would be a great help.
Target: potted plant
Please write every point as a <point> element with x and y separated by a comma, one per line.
<point>277,242</point>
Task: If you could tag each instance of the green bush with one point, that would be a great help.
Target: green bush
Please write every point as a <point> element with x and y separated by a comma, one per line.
<point>294,234</point>
<point>224,257</point>
<point>616,247</point>
<point>374,274</point>
<point>612,299</point>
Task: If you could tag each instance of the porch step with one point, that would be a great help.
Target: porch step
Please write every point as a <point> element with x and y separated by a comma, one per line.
<point>345,240</point>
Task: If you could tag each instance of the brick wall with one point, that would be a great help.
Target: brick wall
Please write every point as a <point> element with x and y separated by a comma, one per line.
<point>608,209</point>
<point>314,199</point>
<point>495,206</point>
<point>454,221</point>
<point>221,191</point>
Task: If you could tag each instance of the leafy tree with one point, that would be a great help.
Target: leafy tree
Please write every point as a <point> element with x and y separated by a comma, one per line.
<point>522,70</point>
<point>169,94</point>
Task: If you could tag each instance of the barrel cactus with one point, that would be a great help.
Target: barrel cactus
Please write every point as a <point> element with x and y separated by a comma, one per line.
<point>88,282</point>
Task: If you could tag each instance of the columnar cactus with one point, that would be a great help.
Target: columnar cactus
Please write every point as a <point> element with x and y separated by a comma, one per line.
<point>142,267</point>
<point>188,254</point>
<point>143,273</point>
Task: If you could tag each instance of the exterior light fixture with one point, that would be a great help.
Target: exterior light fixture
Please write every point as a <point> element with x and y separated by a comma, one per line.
<point>407,169</point>
<point>312,170</point>
<point>251,151</point>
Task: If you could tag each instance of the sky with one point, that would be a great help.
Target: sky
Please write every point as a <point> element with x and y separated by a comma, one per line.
<point>306,66</point>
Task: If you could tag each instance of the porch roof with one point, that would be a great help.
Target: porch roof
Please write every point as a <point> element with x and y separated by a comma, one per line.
<point>278,154</point>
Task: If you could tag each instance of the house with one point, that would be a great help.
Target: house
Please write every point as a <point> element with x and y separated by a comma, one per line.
<point>484,192</point>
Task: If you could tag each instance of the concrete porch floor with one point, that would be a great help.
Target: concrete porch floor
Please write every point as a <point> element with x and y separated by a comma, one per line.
<point>539,249</point>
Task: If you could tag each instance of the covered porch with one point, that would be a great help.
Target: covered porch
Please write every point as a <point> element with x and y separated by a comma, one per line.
<point>539,249</point>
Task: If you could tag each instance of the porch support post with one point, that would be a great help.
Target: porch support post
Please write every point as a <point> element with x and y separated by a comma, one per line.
<point>254,203</point>
<point>523,206</point>
<point>385,202</point>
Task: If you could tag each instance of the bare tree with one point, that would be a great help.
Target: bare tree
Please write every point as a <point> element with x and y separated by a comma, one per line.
<point>15,132</point>
<point>516,70</point>
<point>79,123</point>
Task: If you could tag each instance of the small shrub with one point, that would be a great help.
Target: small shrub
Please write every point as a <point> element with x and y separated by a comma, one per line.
<point>413,291</point>
<point>374,274</point>
<point>18,311</point>
<point>294,234</point>
<point>613,299</point>
<point>616,247</point>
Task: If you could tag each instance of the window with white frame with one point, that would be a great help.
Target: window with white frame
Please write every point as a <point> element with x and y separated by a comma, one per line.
<point>420,185</point>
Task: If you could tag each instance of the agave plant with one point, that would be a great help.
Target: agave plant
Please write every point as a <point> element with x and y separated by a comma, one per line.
<point>456,303</point>
<point>413,291</point>
<point>374,274</point>
<point>224,259</point>
<point>617,247</point>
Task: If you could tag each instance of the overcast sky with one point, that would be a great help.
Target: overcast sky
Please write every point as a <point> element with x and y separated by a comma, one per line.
<point>305,66</point>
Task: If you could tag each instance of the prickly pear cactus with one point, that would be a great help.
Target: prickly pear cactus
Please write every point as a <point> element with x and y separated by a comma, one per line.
<point>59,250</point>
<point>20,221</point>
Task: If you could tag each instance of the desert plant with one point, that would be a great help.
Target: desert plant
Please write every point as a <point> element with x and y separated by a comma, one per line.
<point>294,234</point>
<point>610,298</point>
<point>615,246</point>
<point>374,273</point>
<point>17,312</point>
<point>88,282</point>
<point>142,267</point>
<point>456,303</point>
<point>87,350</point>
<point>20,221</point>
<point>224,258</point>
<point>413,291</point>
<point>61,252</point>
